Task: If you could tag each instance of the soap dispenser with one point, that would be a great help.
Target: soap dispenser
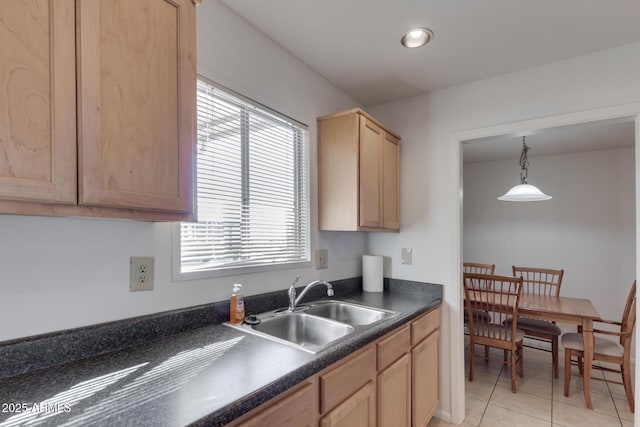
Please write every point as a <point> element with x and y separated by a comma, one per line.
<point>236,305</point>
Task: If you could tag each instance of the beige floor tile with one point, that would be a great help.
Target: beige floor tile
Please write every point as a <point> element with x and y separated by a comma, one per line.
<point>474,411</point>
<point>614,376</point>
<point>531,370</point>
<point>601,403</point>
<point>617,390</point>
<point>436,422</point>
<point>571,416</point>
<point>529,385</point>
<point>497,416</point>
<point>627,423</point>
<point>522,402</point>
<point>538,356</point>
<point>481,365</point>
<point>576,385</point>
<point>623,409</point>
<point>486,375</point>
<point>479,390</point>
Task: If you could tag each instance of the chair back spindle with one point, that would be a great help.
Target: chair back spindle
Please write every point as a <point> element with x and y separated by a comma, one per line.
<point>478,268</point>
<point>539,281</point>
<point>499,295</point>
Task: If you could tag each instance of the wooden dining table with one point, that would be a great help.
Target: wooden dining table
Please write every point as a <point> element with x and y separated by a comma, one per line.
<point>576,311</point>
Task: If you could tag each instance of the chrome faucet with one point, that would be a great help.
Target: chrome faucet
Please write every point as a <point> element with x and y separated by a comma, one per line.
<point>293,301</point>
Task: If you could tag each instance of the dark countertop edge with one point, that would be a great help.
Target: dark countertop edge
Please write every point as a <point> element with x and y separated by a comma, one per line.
<point>324,359</point>
<point>174,322</point>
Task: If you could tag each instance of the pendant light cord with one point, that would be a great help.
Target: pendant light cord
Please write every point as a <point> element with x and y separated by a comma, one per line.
<point>524,162</point>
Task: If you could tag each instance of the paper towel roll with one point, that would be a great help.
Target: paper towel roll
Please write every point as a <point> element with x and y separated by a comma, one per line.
<point>372,273</point>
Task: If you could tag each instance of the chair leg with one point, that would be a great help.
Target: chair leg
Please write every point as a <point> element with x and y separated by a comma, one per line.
<point>472,362</point>
<point>580,364</point>
<point>626,380</point>
<point>506,356</point>
<point>521,360</point>
<point>567,371</point>
<point>513,370</point>
<point>554,355</point>
<point>486,354</point>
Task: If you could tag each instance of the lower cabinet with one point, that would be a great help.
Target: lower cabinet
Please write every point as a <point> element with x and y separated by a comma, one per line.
<point>394,394</point>
<point>392,382</point>
<point>425,396</point>
<point>293,410</point>
<point>358,410</point>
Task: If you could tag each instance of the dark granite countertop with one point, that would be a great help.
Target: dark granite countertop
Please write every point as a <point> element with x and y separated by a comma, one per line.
<point>204,376</point>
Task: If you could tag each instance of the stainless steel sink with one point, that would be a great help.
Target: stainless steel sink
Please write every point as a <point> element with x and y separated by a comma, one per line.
<point>352,314</point>
<point>317,325</point>
<point>311,332</point>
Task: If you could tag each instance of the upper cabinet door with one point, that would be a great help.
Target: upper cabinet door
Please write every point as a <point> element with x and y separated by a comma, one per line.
<point>371,137</point>
<point>37,101</point>
<point>136,85</point>
<point>391,182</point>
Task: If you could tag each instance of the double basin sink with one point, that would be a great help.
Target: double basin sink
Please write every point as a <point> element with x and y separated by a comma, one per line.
<point>314,327</point>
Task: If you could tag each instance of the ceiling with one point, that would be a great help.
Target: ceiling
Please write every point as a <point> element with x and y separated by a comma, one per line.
<point>592,136</point>
<point>355,44</point>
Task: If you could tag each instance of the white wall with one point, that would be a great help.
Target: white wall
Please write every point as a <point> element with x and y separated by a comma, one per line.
<point>587,229</point>
<point>58,273</point>
<point>430,170</point>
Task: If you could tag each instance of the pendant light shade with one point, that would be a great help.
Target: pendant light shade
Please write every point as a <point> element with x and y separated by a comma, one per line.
<point>524,192</point>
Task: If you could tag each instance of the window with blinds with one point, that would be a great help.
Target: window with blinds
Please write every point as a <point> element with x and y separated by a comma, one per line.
<point>252,191</point>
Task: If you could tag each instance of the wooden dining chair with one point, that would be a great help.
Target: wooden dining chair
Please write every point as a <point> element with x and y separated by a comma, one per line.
<point>606,350</point>
<point>500,296</point>
<point>541,281</point>
<point>477,268</point>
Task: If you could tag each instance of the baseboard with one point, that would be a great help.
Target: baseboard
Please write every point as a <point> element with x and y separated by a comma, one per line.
<point>443,415</point>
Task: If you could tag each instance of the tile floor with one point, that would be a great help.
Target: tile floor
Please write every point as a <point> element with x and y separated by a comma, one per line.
<point>539,400</point>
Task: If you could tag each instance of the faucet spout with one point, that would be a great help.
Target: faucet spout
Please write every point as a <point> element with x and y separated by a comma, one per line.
<point>293,301</point>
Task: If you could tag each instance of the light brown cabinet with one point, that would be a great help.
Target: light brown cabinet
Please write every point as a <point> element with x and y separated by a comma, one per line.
<point>425,395</point>
<point>347,391</point>
<point>394,394</point>
<point>358,173</point>
<point>393,381</point>
<point>294,410</point>
<point>358,410</point>
<point>125,149</point>
<point>37,101</point>
<point>408,389</point>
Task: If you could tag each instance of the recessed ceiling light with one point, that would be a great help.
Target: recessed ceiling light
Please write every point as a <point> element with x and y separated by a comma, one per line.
<point>416,37</point>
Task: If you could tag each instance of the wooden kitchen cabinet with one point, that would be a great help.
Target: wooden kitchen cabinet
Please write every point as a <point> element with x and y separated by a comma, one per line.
<point>293,410</point>
<point>358,173</point>
<point>37,101</point>
<point>393,381</point>
<point>346,377</point>
<point>358,410</point>
<point>425,395</point>
<point>126,149</point>
<point>394,394</point>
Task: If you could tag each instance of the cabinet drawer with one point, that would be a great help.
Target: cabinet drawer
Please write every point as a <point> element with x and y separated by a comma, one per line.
<point>393,347</point>
<point>424,326</point>
<point>346,379</point>
<point>294,410</point>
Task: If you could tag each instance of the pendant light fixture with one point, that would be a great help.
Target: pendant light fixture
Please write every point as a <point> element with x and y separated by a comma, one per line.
<point>524,192</point>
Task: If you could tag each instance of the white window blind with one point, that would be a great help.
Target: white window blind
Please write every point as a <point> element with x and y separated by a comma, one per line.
<point>252,192</point>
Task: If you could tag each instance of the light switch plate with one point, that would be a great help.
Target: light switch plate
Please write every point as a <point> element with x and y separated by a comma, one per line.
<point>406,256</point>
<point>322,259</point>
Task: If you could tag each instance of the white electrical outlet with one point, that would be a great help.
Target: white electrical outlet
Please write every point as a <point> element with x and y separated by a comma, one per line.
<point>322,259</point>
<point>141,273</point>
